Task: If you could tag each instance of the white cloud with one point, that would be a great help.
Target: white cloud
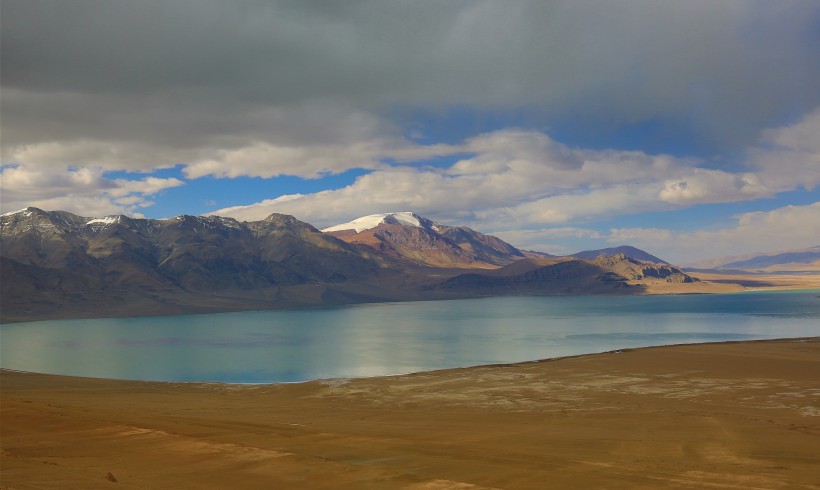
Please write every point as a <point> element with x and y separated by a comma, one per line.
<point>518,179</point>
<point>265,160</point>
<point>146,186</point>
<point>513,178</point>
<point>712,186</point>
<point>85,191</point>
<point>309,141</point>
<point>306,140</point>
<point>578,207</point>
<point>309,161</point>
<point>801,136</point>
<point>310,89</point>
<point>106,155</point>
<point>386,190</point>
<point>789,156</point>
<point>562,240</point>
<point>516,182</point>
<point>306,88</point>
<point>789,227</point>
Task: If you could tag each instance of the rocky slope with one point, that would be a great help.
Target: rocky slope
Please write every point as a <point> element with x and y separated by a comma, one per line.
<point>60,265</point>
<point>612,274</point>
<point>55,258</point>
<point>412,237</point>
<point>637,270</point>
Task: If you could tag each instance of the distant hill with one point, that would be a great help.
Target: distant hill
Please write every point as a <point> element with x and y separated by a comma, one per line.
<point>794,260</point>
<point>606,274</point>
<point>631,252</point>
<point>412,237</point>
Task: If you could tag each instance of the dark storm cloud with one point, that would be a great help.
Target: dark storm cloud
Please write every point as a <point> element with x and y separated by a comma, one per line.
<point>186,74</point>
<point>264,52</point>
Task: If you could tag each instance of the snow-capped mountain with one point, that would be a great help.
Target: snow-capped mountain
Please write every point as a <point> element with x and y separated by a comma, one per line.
<point>52,260</point>
<point>410,236</point>
<point>406,218</point>
<point>56,264</point>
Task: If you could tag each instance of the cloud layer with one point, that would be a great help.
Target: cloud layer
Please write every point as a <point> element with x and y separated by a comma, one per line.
<point>85,190</point>
<point>515,179</point>
<point>186,81</point>
<point>99,96</point>
<point>790,227</point>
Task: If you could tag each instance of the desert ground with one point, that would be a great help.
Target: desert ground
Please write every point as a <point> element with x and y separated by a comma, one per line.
<point>763,281</point>
<point>721,282</point>
<point>725,415</point>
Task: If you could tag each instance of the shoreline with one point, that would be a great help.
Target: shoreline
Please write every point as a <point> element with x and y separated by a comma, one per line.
<point>732,414</point>
<point>423,372</point>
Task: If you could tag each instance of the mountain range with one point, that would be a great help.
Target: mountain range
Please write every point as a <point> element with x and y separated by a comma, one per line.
<point>787,261</point>
<point>58,265</point>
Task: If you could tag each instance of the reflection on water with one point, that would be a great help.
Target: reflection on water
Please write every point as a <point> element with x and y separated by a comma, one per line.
<point>369,340</point>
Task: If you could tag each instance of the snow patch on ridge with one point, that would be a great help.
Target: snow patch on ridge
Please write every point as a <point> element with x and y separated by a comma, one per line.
<point>227,222</point>
<point>104,221</point>
<point>368,222</point>
<point>24,211</point>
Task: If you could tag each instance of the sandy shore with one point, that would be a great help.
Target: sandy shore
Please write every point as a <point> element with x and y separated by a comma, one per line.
<point>732,415</point>
<point>732,283</point>
<point>763,282</point>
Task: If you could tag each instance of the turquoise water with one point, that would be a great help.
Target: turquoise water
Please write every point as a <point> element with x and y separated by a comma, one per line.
<point>394,338</point>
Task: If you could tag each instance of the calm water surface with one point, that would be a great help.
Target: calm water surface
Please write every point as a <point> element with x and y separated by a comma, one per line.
<point>377,339</point>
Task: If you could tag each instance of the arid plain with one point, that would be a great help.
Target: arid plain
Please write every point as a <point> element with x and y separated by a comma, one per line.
<point>725,415</point>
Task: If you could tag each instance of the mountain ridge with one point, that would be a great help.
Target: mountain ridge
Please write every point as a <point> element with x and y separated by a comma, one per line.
<point>358,225</point>
<point>786,261</point>
<point>413,237</point>
<point>60,265</point>
<point>777,260</point>
<point>183,257</point>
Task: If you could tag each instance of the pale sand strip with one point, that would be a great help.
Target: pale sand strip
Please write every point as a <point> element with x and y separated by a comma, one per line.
<point>732,283</point>
<point>732,415</point>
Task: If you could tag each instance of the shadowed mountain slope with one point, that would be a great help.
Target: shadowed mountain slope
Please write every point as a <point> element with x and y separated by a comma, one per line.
<point>614,274</point>
<point>412,237</point>
<point>60,265</point>
<point>104,259</point>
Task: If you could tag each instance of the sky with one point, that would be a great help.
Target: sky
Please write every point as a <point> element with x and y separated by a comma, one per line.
<point>688,129</point>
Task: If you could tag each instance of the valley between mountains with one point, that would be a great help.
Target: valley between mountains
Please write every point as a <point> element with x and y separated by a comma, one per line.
<point>60,265</point>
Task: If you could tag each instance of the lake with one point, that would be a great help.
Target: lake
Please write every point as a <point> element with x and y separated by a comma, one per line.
<point>394,338</point>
